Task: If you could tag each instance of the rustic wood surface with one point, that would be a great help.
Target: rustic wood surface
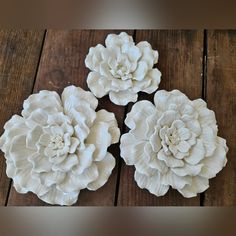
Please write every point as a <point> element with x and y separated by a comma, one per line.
<point>221,97</point>
<point>19,57</point>
<point>199,63</point>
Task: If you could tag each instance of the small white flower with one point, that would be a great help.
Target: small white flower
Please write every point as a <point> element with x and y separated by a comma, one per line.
<point>122,69</point>
<point>59,145</point>
<point>173,143</point>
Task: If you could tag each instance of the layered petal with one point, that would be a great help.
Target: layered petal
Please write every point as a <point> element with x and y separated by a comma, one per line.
<point>59,147</point>
<point>122,69</point>
<point>174,142</point>
<point>153,184</point>
<point>122,97</point>
<point>105,168</point>
<point>99,136</point>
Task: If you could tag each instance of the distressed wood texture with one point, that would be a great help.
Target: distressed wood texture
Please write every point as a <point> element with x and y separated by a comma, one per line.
<point>221,97</point>
<point>57,61</point>
<point>180,61</point>
<point>19,56</point>
<point>62,64</point>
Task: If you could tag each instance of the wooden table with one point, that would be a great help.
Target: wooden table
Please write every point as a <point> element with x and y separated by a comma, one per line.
<point>200,63</point>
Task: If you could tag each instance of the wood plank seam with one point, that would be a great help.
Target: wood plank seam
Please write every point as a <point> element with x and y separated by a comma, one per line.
<point>35,76</point>
<point>204,88</point>
<point>123,130</point>
<point>38,64</point>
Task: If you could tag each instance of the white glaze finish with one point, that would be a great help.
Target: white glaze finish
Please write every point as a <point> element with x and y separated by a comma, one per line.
<point>173,143</point>
<point>122,69</point>
<point>59,145</point>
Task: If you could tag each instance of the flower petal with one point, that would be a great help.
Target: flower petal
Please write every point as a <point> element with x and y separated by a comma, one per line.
<point>155,140</point>
<point>65,166</point>
<point>50,178</point>
<point>95,57</point>
<point>85,156</point>
<point>196,153</point>
<point>209,139</point>
<point>131,149</point>
<point>215,163</point>
<point>74,143</point>
<point>198,185</point>
<point>24,182</point>
<point>105,168</point>
<point>183,146</point>
<point>150,124</point>
<point>122,98</point>
<point>187,169</point>
<point>155,76</point>
<point>98,84</point>
<point>109,118</point>
<point>74,183</point>
<point>37,117</point>
<point>48,101</point>
<point>79,110</point>
<point>99,136</point>
<point>167,118</point>
<point>194,126</point>
<point>55,196</point>
<point>135,118</point>
<point>161,100</point>
<point>141,71</point>
<point>206,116</point>
<point>33,137</point>
<point>133,53</point>
<point>184,133</point>
<point>153,184</point>
<point>80,94</point>
<point>117,40</point>
<point>169,160</point>
<point>175,181</point>
<point>18,152</point>
<point>148,55</point>
<point>40,163</point>
<point>13,127</point>
<point>58,118</point>
<point>81,131</point>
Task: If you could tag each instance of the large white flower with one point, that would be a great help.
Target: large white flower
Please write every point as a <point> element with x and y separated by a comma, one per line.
<point>59,145</point>
<point>173,143</point>
<point>122,69</point>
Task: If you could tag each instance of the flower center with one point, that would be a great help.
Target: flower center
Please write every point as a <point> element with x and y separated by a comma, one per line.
<point>120,70</point>
<point>174,138</point>
<point>56,142</point>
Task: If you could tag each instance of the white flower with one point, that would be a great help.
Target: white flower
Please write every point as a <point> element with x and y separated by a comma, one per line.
<point>122,69</point>
<point>173,143</point>
<point>59,145</point>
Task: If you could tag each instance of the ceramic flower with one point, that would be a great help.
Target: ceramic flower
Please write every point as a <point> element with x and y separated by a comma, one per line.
<point>173,143</point>
<point>122,69</point>
<point>59,145</point>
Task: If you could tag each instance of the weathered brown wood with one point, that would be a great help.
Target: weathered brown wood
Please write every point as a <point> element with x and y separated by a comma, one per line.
<point>180,61</point>
<point>19,55</point>
<point>221,97</point>
<point>62,64</point>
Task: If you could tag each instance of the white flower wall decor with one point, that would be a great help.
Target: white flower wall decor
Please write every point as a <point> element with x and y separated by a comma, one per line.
<point>122,69</point>
<point>173,142</point>
<point>59,145</point>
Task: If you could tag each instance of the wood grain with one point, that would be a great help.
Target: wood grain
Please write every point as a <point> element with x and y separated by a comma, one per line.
<point>180,61</point>
<point>19,55</point>
<point>221,97</point>
<point>62,64</point>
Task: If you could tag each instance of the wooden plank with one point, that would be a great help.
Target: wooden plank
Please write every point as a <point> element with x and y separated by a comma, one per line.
<point>221,97</point>
<point>62,64</point>
<point>180,61</point>
<point>19,55</point>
